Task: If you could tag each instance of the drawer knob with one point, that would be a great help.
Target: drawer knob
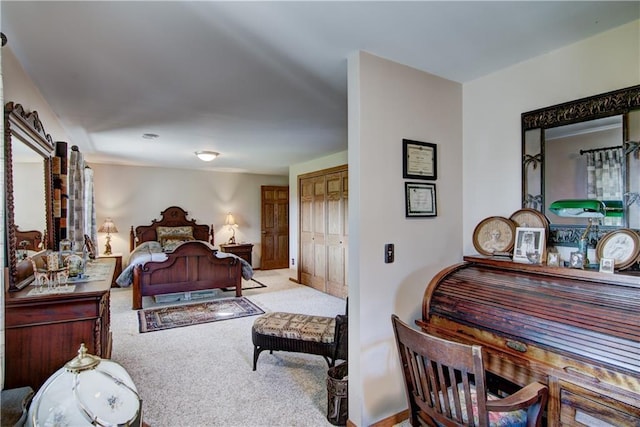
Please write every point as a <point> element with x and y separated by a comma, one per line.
<point>517,346</point>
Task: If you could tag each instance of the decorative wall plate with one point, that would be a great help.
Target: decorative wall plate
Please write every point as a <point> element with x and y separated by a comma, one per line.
<point>622,245</point>
<point>493,235</point>
<point>530,218</point>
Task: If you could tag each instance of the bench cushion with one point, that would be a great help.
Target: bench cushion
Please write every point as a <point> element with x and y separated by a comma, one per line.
<point>296,326</point>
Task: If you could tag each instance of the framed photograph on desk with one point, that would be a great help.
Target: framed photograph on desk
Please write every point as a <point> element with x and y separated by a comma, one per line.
<point>529,245</point>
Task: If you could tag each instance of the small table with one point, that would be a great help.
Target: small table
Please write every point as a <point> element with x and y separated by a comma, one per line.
<point>118,270</point>
<point>243,250</point>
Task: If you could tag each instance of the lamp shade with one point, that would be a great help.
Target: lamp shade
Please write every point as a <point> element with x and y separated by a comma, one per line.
<point>108,227</point>
<point>230,220</point>
<point>87,391</point>
<point>579,208</point>
<point>613,208</point>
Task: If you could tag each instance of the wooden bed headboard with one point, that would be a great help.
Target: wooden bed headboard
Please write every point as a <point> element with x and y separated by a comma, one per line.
<point>28,240</point>
<point>173,216</point>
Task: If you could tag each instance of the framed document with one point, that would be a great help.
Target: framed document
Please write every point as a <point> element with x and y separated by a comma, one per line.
<point>419,160</point>
<point>420,199</point>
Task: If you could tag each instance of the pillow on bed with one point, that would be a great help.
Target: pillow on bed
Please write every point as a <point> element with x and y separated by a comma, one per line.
<point>171,237</point>
<point>170,243</point>
<point>164,232</point>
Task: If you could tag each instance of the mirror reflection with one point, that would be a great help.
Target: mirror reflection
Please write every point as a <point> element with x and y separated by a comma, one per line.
<point>29,209</point>
<point>584,149</point>
<point>584,161</point>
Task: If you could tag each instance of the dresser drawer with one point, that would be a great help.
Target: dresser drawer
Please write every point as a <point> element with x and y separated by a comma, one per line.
<point>582,407</point>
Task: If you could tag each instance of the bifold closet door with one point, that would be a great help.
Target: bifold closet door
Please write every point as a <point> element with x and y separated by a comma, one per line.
<point>312,237</point>
<point>323,230</point>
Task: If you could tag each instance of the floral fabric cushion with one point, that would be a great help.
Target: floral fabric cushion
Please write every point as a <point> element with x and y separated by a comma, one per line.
<point>296,326</point>
<point>172,237</point>
<point>496,419</point>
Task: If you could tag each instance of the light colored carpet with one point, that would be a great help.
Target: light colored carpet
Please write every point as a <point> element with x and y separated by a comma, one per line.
<point>202,375</point>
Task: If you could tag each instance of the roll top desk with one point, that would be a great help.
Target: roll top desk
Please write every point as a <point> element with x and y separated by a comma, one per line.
<point>576,331</point>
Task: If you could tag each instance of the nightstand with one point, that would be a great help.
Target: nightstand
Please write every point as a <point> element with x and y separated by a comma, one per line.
<point>118,270</point>
<point>243,250</point>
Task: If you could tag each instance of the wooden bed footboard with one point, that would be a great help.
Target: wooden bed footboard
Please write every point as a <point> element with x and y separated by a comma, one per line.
<point>193,266</point>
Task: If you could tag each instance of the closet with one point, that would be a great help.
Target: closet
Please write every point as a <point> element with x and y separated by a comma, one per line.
<point>323,201</point>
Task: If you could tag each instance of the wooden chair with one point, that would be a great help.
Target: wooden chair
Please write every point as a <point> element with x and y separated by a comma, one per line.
<point>445,381</point>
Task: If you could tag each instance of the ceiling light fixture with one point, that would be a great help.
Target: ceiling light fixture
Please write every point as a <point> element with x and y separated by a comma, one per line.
<point>207,156</point>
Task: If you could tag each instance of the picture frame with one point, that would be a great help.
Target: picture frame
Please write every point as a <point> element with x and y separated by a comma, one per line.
<point>553,259</point>
<point>527,217</point>
<point>623,245</point>
<point>420,160</point>
<point>91,247</point>
<point>606,265</point>
<point>529,245</point>
<point>420,199</point>
<point>494,236</point>
<point>576,260</point>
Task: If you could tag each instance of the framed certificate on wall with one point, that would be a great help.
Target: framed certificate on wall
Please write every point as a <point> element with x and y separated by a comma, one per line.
<point>419,160</point>
<point>420,199</point>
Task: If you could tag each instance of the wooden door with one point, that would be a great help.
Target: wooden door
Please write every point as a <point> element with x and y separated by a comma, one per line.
<point>323,197</point>
<point>312,240</point>
<point>275,227</point>
<point>337,233</point>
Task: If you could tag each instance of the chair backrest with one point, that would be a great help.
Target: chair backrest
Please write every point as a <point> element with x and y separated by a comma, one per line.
<point>431,366</point>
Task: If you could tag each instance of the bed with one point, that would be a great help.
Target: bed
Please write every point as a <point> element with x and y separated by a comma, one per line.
<point>175,254</point>
<point>28,240</point>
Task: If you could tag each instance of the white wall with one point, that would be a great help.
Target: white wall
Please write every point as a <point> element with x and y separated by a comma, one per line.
<point>493,105</point>
<point>389,102</point>
<point>133,195</point>
<point>326,162</point>
<point>17,87</point>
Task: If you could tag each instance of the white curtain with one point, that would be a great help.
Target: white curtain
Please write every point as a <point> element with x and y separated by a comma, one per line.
<point>604,177</point>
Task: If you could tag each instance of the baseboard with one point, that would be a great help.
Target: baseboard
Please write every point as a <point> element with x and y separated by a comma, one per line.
<point>294,280</point>
<point>392,420</point>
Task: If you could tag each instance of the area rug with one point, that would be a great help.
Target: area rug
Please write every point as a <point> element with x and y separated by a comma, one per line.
<point>176,316</point>
<point>260,285</point>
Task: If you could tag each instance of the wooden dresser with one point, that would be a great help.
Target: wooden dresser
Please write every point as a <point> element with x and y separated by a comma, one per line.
<point>43,332</point>
<point>576,331</point>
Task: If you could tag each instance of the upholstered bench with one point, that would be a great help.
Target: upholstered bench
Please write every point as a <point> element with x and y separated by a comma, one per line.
<point>301,333</point>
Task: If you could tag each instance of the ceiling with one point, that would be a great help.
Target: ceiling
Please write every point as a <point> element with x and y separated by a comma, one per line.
<point>263,83</point>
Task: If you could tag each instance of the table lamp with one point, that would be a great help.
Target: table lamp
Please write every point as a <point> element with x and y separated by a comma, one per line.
<point>87,391</point>
<point>108,227</point>
<point>580,208</point>
<point>231,222</point>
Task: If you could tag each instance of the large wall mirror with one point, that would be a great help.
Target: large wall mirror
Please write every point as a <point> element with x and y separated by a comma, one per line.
<point>29,191</point>
<point>584,149</point>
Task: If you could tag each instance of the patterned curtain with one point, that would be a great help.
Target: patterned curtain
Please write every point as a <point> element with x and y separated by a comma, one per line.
<point>604,177</point>
<point>90,226</point>
<point>75,213</point>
